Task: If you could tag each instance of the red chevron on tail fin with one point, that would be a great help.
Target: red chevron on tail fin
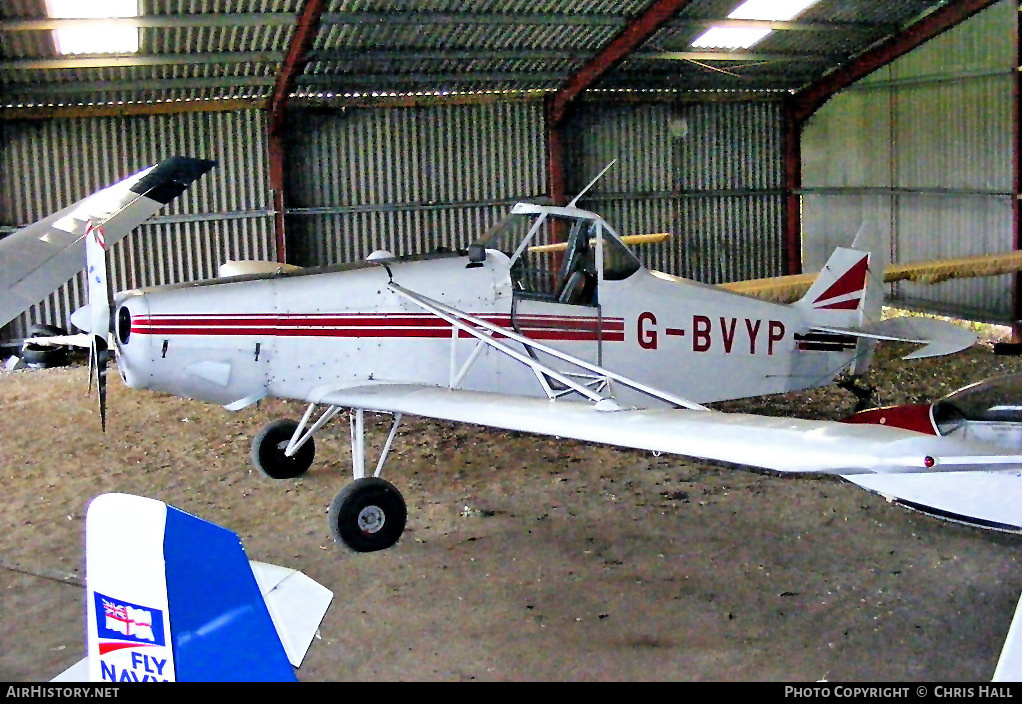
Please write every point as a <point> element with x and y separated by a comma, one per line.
<point>846,293</point>
<point>843,293</point>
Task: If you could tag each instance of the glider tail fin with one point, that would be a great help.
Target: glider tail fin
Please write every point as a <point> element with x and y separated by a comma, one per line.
<point>173,598</point>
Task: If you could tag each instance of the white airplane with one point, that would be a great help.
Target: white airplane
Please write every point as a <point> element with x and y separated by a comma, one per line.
<point>173,598</point>
<point>548,324</point>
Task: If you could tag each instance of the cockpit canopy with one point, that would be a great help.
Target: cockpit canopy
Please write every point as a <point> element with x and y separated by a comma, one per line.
<point>998,399</point>
<point>560,253</point>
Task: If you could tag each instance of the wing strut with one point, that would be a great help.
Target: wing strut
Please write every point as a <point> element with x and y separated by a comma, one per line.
<point>471,324</point>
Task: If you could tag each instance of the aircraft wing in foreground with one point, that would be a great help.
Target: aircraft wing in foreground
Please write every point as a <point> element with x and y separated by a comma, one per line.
<point>987,412</point>
<point>39,258</point>
<point>172,598</point>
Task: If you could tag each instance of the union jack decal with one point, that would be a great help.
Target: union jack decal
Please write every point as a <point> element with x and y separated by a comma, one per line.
<point>127,624</point>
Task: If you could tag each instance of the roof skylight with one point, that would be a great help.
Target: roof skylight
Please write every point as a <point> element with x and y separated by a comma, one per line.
<point>744,37</point>
<point>90,39</point>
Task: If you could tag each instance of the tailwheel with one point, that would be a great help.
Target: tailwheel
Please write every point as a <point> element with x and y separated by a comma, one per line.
<point>268,451</point>
<point>368,514</point>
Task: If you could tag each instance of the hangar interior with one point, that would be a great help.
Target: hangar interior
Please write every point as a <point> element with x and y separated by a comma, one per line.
<point>345,126</point>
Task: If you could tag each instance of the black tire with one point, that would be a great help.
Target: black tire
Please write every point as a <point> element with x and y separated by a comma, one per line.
<point>368,515</point>
<point>268,451</point>
<point>45,356</point>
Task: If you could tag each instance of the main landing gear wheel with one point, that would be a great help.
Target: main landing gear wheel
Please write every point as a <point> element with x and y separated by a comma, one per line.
<point>268,451</point>
<point>368,515</point>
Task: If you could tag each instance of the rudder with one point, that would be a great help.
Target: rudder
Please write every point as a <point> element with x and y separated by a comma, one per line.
<point>845,295</point>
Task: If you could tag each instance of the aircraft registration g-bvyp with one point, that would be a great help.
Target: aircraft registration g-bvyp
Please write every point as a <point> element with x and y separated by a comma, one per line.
<point>547,324</point>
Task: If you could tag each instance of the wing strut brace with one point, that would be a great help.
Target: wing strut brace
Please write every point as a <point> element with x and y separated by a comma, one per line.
<point>356,420</point>
<point>471,324</point>
<point>596,389</point>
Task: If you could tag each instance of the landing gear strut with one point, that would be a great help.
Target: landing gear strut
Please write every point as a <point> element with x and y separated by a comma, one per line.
<point>863,394</point>
<point>368,514</point>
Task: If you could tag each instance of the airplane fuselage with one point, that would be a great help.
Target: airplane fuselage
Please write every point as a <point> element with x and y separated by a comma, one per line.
<point>294,335</point>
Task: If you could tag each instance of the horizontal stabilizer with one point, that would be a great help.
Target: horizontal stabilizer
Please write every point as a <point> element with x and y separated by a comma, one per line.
<point>938,337</point>
<point>296,604</point>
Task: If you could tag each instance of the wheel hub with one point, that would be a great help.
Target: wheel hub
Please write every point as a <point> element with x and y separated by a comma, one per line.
<point>371,519</point>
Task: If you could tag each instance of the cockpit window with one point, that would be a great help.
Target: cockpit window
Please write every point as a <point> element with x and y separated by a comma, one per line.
<point>618,261</point>
<point>554,256</point>
<point>997,399</point>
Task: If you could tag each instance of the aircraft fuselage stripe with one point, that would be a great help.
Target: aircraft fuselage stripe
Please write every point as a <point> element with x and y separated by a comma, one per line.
<point>400,325</point>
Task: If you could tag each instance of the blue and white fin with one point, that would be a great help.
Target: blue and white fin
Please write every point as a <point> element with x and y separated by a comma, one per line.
<point>171,597</point>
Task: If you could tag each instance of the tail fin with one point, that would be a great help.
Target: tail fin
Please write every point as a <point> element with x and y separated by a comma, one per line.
<point>845,298</point>
<point>839,295</point>
<point>173,598</point>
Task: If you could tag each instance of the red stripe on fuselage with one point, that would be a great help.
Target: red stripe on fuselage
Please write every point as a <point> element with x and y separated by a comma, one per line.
<point>371,325</point>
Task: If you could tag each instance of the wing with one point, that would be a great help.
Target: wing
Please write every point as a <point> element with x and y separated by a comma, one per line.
<point>778,444</point>
<point>39,258</point>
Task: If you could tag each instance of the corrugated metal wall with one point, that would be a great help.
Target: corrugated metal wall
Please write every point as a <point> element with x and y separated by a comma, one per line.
<point>48,165</point>
<point>708,173</point>
<point>408,180</point>
<point>920,155</point>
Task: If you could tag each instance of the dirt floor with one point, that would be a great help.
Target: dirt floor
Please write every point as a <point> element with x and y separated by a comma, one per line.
<point>526,558</point>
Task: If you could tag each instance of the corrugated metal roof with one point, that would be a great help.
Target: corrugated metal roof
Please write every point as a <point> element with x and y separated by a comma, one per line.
<point>216,50</point>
